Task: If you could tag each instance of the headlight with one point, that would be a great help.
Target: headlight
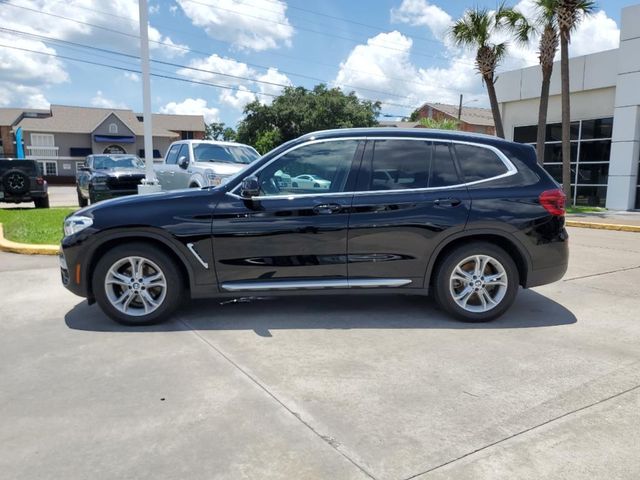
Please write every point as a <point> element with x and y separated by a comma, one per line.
<point>213,180</point>
<point>76,223</point>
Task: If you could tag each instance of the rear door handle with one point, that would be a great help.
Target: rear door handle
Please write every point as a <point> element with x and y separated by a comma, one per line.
<point>326,208</point>
<point>447,202</point>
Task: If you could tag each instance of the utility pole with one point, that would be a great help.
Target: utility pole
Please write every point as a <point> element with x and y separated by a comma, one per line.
<point>150,183</point>
<point>460,108</point>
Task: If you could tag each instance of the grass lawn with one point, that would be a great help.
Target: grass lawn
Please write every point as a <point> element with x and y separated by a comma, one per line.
<point>578,209</point>
<point>34,225</point>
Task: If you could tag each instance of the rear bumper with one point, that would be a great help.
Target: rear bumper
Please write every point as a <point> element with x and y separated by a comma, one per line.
<point>29,197</point>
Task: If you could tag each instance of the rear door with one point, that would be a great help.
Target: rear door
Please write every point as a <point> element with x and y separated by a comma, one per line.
<point>409,197</point>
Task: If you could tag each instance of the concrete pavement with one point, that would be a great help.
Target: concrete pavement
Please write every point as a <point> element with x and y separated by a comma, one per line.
<point>327,387</point>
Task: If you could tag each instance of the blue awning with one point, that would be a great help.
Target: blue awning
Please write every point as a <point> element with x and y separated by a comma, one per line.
<point>114,139</point>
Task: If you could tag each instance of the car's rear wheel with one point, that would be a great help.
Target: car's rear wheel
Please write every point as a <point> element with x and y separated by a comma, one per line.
<point>42,202</point>
<point>476,282</point>
<point>137,284</point>
<point>83,202</point>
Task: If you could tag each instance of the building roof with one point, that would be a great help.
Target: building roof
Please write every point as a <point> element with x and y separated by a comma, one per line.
<point>400,124</point>
<point>8,116</point>
<point>470,115</point>
<point>70,119</point>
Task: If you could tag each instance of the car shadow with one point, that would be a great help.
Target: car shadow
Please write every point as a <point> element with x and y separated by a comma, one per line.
<point>262,315</point>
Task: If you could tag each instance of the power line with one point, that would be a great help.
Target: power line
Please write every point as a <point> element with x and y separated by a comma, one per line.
<point>319,32</point>
<point>169,77</point>
<point>161,62</point>
<point>190,50</point>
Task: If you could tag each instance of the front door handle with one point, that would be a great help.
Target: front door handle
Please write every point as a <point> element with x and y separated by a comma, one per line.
<point>447,202</point>
<point>326,208</point>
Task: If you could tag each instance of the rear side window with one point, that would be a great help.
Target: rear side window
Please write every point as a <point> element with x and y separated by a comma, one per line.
<point>478,163</point>
<point>442,171</point>
<point>400,164</point>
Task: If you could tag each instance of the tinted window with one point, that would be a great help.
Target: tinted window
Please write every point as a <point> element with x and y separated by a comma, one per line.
<point>600,128</point>
<point>400,164</point>
<point>206,152</point>
<point>172,156</point>
<point>478,163</point>
<point>315,168</point>
<point>525,134</point>
<point>443,171</point>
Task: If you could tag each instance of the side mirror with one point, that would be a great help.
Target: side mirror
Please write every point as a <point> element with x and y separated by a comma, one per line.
<point>183,162</point>
<point>83,168</point>
<point>250,187</point>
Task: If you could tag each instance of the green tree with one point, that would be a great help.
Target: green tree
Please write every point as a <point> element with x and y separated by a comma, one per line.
<point>569,14</point>
<point>218,131</point>
<point>298,111</point>
<point>444,124</point>
<point>478,29</point>
<point>544,25</point>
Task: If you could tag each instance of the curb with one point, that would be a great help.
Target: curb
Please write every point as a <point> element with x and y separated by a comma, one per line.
<point>26,248</point>
<point>603,226</point>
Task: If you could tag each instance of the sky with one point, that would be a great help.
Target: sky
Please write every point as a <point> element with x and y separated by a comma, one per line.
<point>221,54</point>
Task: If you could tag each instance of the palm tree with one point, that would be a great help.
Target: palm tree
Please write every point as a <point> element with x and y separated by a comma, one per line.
<point>569,13</point>
<point>478,28</point>
<point>547,26</point>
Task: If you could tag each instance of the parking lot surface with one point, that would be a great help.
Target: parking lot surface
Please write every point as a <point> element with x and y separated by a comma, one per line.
<point>59,196</point>
<point>327,387</point>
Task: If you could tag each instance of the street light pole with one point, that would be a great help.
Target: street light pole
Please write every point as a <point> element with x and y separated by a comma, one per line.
<point>150,183</point>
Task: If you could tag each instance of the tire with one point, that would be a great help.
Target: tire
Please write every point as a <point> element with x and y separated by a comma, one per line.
<point>16,182</point>
<point>500,267</point>
<point>92,197</point>
<point>194,185</point>
<point>42,202</point>
<point>82,202</point>
<point>138,311</point>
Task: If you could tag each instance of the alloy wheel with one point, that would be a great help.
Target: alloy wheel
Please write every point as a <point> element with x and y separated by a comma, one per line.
<point>478,283</point>
<point>135,286</point>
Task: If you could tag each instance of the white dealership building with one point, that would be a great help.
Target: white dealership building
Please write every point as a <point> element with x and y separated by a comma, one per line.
<point>605,115</point>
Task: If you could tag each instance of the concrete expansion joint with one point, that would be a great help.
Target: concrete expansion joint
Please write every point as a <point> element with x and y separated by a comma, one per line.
<point>526,430</point>
<point>330,441</point>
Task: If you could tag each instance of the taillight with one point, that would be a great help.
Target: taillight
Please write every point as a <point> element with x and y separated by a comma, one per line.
<point>553,201</point>
<point>40,180</point>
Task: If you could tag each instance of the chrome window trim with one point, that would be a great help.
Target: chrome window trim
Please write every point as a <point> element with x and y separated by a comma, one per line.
<point>511,169</point>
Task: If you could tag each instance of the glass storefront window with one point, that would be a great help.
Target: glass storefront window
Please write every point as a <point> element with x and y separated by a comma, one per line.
<point>590,151</point>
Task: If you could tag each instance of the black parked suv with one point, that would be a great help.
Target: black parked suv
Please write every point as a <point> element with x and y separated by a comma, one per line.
<point>20,182</point>
<point>108,176</point>
<point>465,218</point>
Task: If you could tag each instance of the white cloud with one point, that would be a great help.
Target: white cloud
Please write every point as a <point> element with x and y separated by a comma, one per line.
<point>101,101</point>
<point>374,67</point>
<point>134,77</point>
<point>238,75</point>
<point>422,13</point>
<point>596,33</point>
<point>24,75</point>
<point>259,25</point>
<point>193,106</point>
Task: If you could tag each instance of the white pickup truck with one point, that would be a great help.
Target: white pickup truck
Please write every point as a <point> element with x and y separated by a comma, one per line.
<point>202,163</point>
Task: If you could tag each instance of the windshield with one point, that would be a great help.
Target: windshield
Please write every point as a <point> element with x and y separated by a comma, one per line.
<point>206,152</point>
<point>106,162</point>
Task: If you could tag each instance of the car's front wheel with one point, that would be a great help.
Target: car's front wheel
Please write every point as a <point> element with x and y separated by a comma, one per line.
<point>83,202</point>
<point>476,282</point>
<point>137,284</point>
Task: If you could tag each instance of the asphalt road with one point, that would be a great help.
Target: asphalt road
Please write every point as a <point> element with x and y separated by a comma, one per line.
<point>327,387</point>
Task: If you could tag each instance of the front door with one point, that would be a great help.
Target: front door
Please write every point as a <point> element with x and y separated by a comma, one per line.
<point>290,235</point>
<point>409,198</point>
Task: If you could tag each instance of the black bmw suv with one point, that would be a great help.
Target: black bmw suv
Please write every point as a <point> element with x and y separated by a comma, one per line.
<point>465,218</point>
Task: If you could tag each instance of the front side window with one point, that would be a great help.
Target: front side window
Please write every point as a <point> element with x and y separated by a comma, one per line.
<point>479,163</point>
<point>315,168</point>
<point>172,155</point>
